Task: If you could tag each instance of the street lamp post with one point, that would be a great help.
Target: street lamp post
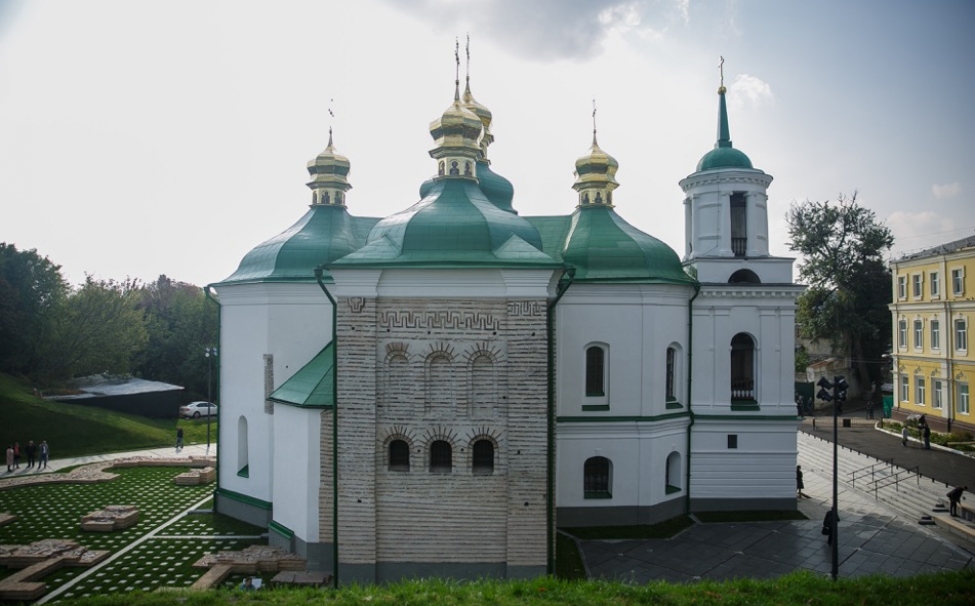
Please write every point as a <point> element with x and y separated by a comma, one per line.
<point>837,397</point>
<point>210,353</point>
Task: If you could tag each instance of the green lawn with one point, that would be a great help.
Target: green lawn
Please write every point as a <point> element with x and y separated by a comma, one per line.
<point>74,430</point>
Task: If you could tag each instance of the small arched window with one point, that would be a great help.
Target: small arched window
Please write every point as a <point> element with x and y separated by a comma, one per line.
<point>399,455</point>
<point>673,473</point>
<point>595,371</point>
<point>671,374</point>
<point>441,459</point>
<point>597,478</point>
<point>483,463</point>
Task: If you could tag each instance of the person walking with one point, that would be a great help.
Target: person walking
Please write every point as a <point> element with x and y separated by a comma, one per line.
<point>31,450</point>
<point>828,523</point>
<point>179,439</point>
<point>799,483</point>
<point>954,495</point>
<point>904,435</point>
<point>45,453</point>
<point>927,436</point>
<point>10,458</point>
<point>16,455</point>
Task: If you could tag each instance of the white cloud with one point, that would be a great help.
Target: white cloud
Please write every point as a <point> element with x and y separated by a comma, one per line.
<point>946,191</point>
<point>752,90</point>
<point>918,230</point>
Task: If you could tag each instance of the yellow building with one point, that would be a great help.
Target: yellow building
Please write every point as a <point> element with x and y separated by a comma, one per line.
<point>933,312</point>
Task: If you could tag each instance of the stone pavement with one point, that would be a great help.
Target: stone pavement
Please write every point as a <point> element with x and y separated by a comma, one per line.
<point>873,540</point>
<point>191,450</point>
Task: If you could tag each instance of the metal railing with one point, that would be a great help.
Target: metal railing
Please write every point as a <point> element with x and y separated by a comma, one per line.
<point>870,470</point>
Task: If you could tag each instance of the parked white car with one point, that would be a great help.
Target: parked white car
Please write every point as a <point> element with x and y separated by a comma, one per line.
<point>197,410</point>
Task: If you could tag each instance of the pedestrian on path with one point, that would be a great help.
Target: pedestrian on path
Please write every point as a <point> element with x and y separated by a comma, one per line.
<point>45,452</point>
<point>31,450</point>
<point>927,437</point>
<point>799,483</point>
<point>953,497</point>
<point>10,458</point>
<point>16,455</point>
<point>828,523</point>
<point>904,435</point>
<point>179,439</point>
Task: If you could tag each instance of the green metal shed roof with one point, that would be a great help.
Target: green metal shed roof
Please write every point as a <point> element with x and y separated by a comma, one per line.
<point>311,386</point>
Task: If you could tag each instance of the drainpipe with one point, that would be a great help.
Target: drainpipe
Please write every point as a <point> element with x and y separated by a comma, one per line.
<point>949,401</point>
<point>690,367</point>
<point>216,301</point>
<point>560,289</point>
<point>319,273</point>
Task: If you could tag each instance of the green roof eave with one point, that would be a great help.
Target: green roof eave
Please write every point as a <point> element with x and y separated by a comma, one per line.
<point>274,280</point>
<point>311,386</point>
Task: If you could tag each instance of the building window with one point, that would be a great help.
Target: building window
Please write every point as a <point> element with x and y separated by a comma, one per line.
<point>598,478</point>
<point>399,455</point>
<point>732,440</point>
<point>935,334</point>
<point>961,335</point>
<point>963,398</point>
<point>672,479</point>
<point>937,394</point>
<point>958,281</point>
<point>918,334</point>
<point>919,391</point>
<point>935,286</point>
<point>905,389</point>
<point>441,460</point>
<point>739,233</point>
<point>901,287</point>
<point>902,333</point>
<point>917,288</point>
<point>595,371</point>
<point>483,463</point>
<point>742,367</point>
<point>671,361</point>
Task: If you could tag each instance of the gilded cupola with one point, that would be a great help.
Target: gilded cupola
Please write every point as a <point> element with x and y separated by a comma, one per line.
<point>329,177</point>
<point>595,174</point>
<point>456,137</point>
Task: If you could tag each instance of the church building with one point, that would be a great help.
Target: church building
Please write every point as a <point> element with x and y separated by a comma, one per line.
<point>434,392</point>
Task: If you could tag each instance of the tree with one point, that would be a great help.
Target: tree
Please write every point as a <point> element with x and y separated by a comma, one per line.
<point>181,323</point>
<point>32,291</point>
<point>843,250</point>
<point>99,329</point>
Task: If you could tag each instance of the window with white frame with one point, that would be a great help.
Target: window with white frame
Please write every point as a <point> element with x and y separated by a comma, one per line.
<point>902,333</point>
<point>935,334</point>
<point>934,284</point>
<point>919,391</point>
<point>961,335</point>
<point>962,398</point>
<point>937,393</point>
<point>901,287</point>
<point>917,289</point>
<point>905,389</point>
<point>958,281</point>
<point>918,334</point>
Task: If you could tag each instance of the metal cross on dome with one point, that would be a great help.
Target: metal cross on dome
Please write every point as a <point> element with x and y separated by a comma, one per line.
<point>721,68</point>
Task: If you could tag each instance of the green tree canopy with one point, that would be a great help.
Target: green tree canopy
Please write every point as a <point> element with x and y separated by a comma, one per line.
<point>843,248</point>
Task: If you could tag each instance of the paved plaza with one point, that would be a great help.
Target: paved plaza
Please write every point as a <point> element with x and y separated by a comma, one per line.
<point>872,540</point>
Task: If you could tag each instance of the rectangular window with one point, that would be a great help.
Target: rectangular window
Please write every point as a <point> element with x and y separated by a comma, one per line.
<point>963,398</point>
<point>905,389</point>
<point>595,371</point>
<point>935,334</point>
<point>902,333</point>
<point>671,361</point>
<point>919,391</point>
<point>918,286</point>
<point>732,440</point>
<point>961,335</point>
<point>937,394</point>
<point>958,281</point>
<point>901,287</point>
<point>918,334</point>
<point>935,285</point>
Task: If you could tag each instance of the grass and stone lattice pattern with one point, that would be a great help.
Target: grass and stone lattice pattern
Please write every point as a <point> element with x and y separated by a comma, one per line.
<point>164,560</point>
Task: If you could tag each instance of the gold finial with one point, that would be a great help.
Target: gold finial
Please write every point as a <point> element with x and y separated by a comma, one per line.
<point>457,69</point>
<point>331,115</point>
<point>721,88</point>
<point>467,48</point>
<point>594,122</point>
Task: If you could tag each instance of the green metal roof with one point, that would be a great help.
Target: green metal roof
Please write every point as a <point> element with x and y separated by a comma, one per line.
<point>454,225</point>
<point>322,235</point>
<point>311,386</point>
<point>724,155</point>
<point>604,247</point>
<point>498,190</point>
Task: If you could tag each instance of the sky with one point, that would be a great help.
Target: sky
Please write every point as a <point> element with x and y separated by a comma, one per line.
<point>172,136</point>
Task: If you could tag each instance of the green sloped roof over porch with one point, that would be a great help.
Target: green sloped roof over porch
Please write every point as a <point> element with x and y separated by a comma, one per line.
<point>312,385</point>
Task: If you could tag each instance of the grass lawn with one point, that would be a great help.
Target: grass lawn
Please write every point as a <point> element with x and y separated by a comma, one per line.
<point>75,430</point>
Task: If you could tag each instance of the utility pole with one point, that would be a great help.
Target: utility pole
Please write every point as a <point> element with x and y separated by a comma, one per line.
<point>210,353</point>
<point>837,397</point>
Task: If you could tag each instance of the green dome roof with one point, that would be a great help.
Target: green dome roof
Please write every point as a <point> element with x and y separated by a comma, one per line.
<point>724,157</point>
<point>322,235</point>
<point>498,190</point>
<point>604,247</point>
<point>454,225</point>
